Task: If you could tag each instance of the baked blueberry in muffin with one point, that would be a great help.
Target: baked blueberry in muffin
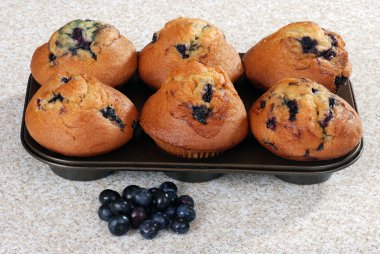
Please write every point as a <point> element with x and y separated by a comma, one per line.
<point>301,49</point>
<point>77,115</point>
<point>86,46</point>
<point>183,40</point>
<point>300,119</point>
<point>197,112</point>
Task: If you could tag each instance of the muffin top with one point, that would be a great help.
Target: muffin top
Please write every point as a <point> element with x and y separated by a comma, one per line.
<point>75,98</point>
<point>285,99</point>
<point>86,46</point>
<point>82,38</point>
<point>195,103</point>
<point>200,96</point>
<point>77,115</point>
<point>311,41</point>
<point>301,119</point>
<point>300,49</point>
<point>183,40</point>
<point>189,38</point>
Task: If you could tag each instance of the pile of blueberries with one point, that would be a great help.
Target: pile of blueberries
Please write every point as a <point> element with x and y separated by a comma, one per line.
<point>150,210</point>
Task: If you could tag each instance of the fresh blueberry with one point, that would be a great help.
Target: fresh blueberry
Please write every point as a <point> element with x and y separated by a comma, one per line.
<point>129,192</point>
<point>107,196</point>
<point>118,225</point>
<point>131,205</point>
<point>172,197</point>
<point>105,212</point>
<point>161,200</point>
<point>138,215</point>
<point>171,211</point>
<point>142,197</point>
<point>186,200</point>
<point>169,186</point>
<point>120,206</point>
<point>161,219</point>
<point>180,226</point>
<point>150,210</point>
<point>186,212</point>
<point>149,229</point>
<point>153,190</point>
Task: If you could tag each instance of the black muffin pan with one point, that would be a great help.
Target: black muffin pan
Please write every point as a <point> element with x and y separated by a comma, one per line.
<point>142,154</point>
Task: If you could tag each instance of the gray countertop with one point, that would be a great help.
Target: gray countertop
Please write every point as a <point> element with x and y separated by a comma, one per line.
<point>241,213</point>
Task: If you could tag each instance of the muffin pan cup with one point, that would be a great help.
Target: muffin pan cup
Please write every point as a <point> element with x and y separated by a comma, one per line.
<point>142,154</point>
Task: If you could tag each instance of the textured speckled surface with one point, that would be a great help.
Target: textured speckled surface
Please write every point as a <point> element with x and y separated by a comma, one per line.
<point>43,213</point>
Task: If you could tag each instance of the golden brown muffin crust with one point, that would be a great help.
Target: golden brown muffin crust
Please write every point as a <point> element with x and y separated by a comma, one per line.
<point>300,119</point>
<point>300,49</point>
<point>86,46</point>
<point>183,40</point>
<point>197,109</point>
<point>80,116</point>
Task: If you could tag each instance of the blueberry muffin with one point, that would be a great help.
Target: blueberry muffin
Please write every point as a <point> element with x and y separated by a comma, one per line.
<point>299,119</point>
<point>77,115</point>
<point>86,46</point>
<point>197,112</point>
<point>183,40</point>
<point>301,49</point>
